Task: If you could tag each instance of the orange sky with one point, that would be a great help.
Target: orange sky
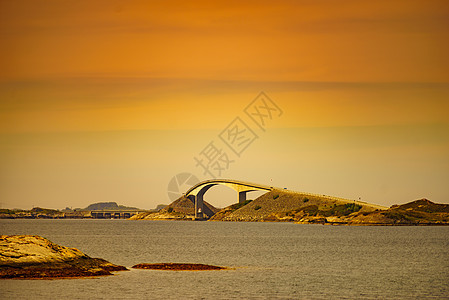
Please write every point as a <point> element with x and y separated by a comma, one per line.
<point>259,40</point>
<point>182,71</point>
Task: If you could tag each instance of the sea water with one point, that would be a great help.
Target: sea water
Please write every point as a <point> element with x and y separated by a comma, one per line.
<point>267,260</point>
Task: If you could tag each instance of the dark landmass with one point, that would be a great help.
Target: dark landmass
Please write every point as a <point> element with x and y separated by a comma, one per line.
<point>34,257</point>
<point>181,209</point>
<point>178,267</point>
<point>109,206</point>
<point>161,206</point>
<point>67,213</point>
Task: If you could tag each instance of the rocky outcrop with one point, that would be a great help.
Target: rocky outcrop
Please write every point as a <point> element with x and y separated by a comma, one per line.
<point>178,267</point>
<point>109,206</point>
<point>418,212</point>
<point>30,256</point>
<point>223,214</point>
<point>287,206</point>
<point>180,209</point>
<point>281,205</point>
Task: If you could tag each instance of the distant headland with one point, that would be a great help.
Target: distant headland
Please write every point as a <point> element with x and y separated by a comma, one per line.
<point>99,210</point>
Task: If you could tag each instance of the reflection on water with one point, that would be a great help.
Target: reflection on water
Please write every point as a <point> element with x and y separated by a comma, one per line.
<point>271,260</point>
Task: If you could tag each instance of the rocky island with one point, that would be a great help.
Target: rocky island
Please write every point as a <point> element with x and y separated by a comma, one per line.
<point>304,208</point>
<point>34,257</point>
<point>178,267</point>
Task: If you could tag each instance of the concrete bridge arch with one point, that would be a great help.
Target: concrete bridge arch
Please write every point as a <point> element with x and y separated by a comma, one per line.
<point>196,192</point>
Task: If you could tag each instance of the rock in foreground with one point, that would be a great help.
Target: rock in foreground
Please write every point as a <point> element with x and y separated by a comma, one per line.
<point>34,257</point>
<point>178,267</point>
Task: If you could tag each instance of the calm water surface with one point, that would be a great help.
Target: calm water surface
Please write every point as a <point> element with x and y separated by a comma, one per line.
<point>270,260</point>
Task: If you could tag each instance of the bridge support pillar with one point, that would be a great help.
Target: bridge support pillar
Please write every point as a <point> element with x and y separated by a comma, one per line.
<point>242,197</point>
<point>199,206</point>
<point>198,201</point>
<point>192,198</point>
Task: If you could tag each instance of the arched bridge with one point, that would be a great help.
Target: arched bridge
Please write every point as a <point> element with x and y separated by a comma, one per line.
<point>196,192</point>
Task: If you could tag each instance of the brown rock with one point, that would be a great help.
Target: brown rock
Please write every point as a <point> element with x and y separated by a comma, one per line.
<point>27,256</point>
<point>178,267</point>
